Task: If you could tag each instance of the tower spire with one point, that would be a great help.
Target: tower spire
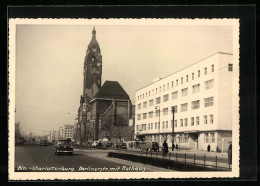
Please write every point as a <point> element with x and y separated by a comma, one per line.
<point>94,40</point>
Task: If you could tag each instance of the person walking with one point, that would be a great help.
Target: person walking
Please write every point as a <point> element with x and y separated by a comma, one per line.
<point>208,148</point>
<point>165,148</point>
<point>173,146</point>
<point>230,153</point>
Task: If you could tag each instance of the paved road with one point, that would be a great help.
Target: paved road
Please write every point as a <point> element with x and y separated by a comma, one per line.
<point>37,158</point>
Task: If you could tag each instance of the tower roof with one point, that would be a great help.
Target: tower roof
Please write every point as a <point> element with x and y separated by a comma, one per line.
<point>112,90</point>
<point>93,40</point>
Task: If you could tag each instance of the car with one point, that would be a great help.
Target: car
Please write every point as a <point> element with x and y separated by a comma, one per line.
<point>149,146</point>
<point>43,143</point>
<point>122,146</point>
<point>64,147</point>
<point>94,144</point>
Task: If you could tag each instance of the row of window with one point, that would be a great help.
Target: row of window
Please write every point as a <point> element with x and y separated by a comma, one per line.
<point>174,95</point>
<point>208,119</point>
<point>209,137</point>
<point>162,88</point>
<point>184,107</point>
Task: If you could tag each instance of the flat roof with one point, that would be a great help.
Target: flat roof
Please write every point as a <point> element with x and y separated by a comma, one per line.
<point>185,68</point>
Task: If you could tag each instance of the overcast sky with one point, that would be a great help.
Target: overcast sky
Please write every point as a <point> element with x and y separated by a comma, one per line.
<point>49,63</point>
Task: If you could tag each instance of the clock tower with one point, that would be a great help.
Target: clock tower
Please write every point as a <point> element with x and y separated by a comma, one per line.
<point>92,69</point>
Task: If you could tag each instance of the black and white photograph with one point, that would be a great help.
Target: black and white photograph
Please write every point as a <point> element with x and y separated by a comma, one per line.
<point>96,98</point>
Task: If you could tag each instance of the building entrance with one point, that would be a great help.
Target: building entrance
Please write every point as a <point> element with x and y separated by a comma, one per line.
<point>194,141</point>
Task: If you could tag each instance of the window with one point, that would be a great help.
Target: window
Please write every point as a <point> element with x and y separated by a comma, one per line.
<point>197,120</point>
<point>172,83</point>
<point>158,100</point>
<point>157,113</point>
<point>165,111</point>
<point>155,125</point>
<point>181,122</point>
<point>175,123</point>
<point>177,82</point>
<point>160,89</point>
<point>205,119</point>
<point>209,101</point>
<point>163,87</point>
<point>174,95</point>
<point>151,126</point>
<point>138,116</point>
<point>165,97</point>
<point>212,68</point>
<point>144,115</point>
<point>184,138</point>
<point>230,67</point>
<point>175,108</point>
<point>195,88</point>
<point>195,104</point>
<point>167,85</point>
<point>182,80</point>
<point>212,135</point>
<point>192,121</point>
<point>166,123</point>
<point>187,78</point>
<point>163,125</point>
<point>139,106</point>
<point>149,93</point>
<point>206,139</point>
<point>151,102</point>
<point>209,84</point>
<point>156,90</point>
<point>158,125</point>
<point>137,97</point>
<point>148,126</point>
<point>211,119</point>
<point>198,73</point>
<point>146,94</point>
<point>145,104</point>
<point>151,114</point>
<point>186,121</point>
<point>205,71</point>
<point>184,92</point>
<point>184,107</point>
<point>192,76</point>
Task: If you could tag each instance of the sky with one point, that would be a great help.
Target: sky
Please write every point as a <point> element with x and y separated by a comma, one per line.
<point>50,59</point>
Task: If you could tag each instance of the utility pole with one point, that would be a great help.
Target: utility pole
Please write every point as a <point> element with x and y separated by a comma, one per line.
<point>172,126</point>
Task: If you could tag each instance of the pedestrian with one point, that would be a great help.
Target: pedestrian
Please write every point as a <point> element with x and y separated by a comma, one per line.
<point>208,148</point>
<point>177,146</point>
<point>173,146</point>
<point>165,146</point>
<point>230,153</point>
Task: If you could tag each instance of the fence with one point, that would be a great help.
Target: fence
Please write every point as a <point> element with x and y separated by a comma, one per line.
<point>195,159</point>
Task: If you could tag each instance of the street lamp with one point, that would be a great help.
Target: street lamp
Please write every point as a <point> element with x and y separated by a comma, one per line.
<point>158,107</point>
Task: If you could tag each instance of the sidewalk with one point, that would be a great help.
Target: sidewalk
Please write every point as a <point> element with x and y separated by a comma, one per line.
<point>183,151</point>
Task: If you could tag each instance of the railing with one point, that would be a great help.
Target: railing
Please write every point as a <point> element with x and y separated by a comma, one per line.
<point>188,158</point>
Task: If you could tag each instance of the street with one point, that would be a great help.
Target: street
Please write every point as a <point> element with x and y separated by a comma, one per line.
<point>35,158</point>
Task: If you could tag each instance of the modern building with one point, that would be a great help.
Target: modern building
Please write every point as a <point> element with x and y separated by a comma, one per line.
<point>201,96</point>
<point>101,107</point>
<point>66,132</point>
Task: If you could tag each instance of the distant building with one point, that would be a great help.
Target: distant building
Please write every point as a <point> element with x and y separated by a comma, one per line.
<point>201,96</point>
<point>66,131</point>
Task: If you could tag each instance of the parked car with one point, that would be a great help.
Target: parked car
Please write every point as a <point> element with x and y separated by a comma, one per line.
<point>64,147</point>
<point>94,144</point>
<point>43,143</point>
<point>122,146</point>
<point>115,145</point>
<point>149,146</point>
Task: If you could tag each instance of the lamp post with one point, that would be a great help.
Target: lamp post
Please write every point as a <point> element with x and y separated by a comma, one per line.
<point>172,127</point>
<point>158,107</point>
